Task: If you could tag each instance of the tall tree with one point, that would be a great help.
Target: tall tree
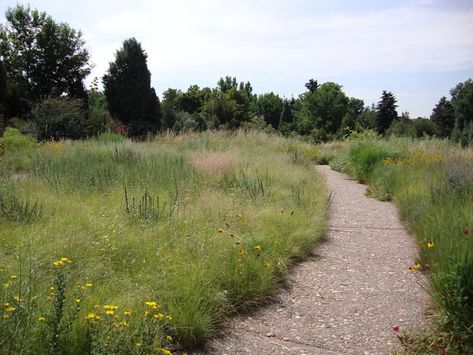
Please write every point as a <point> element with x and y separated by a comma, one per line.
<point>443,116</point>
<point>3,95</point>
<point>386,111</point>
<point>127,87</point>
<point>312,85</point>
<point>270,106</point>
<point>462,102</point>
<point>42,57</point>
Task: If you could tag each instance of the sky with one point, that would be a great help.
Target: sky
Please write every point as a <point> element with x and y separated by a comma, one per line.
<point>417,49</point>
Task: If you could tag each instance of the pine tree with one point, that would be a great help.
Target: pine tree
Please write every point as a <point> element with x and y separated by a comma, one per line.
<point>385,111</point>
<point>130,98</point>
<point>443,117</point>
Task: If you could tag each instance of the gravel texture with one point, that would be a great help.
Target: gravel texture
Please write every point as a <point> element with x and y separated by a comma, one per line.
<point>349,296</point>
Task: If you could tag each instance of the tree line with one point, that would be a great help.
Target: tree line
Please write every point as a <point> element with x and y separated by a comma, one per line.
<point>43,65</point>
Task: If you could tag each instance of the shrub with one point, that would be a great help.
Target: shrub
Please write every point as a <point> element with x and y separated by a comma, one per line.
<point>13,140</point>
<point>60,118</point>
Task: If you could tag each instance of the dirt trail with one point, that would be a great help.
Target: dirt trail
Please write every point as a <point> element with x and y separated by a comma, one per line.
<point>349,296</point>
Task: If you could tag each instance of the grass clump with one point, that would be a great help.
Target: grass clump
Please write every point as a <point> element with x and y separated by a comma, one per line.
<point>146,247</point>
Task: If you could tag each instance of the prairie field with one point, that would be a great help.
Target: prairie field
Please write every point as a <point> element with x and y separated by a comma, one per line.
<point>114,246</point>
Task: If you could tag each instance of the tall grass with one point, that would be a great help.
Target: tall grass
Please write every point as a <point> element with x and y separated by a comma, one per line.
<point>146,247</point>
<point>432,183</point>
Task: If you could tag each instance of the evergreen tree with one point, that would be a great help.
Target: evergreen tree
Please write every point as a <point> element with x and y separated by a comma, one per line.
<point>386,111</point>
<point>3,87</point>
<point>443,117</point>
<point>130,98</point>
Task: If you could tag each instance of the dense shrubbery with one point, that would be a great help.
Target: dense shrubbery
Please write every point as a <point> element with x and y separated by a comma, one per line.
<point>13,140</point>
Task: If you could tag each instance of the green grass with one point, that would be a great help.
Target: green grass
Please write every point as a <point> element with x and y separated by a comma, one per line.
<point>204,225</point>
<point>431,181</point>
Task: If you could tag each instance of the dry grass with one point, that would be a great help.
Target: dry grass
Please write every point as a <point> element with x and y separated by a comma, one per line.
<point>214,162</point>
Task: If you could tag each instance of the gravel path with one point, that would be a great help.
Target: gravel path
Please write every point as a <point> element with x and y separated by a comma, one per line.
<point>349,296</point>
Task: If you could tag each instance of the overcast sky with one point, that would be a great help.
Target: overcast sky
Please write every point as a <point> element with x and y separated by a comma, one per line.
<point>417,49</point>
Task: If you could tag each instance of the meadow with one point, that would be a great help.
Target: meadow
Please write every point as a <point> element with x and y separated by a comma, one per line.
<point>431,181</point>
<point>113,246</point>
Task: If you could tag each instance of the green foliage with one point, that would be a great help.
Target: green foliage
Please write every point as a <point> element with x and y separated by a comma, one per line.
<point>130,97</point>
<point>43,57</point>
<point>3,87</point>
<point>386,111</point>
<point>60,117</point>
<point>15,208</point>
<point>108,137</point>
<point>270,106</point>
<point>424,127</point>
<point>462,102</point>
<point>98,111</point>
<point>13,140</point>
<point>402,127</point>
<point>322,110</point>
<point>443,116</point>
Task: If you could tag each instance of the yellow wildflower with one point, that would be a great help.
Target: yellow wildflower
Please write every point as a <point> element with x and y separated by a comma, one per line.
<point>267,265</point>
<point>77,300</point>
<point>10,309</point>
<point>245,221</point>
<point>92,316</point>
<point>158,316</point>
<point>168,337</point>
<point>88,285</point>
<point>6,316</point>
<point>242,253</point>
<point>410,269</point>
<point>238,215</point>
<point>220,231</point>
<point>58,263</point>
<point>169,317</point>
<point>7,283</point>
<point>258,248</point>
<point>138,345</point>
<point>13,277</point>
<point>16,298</point>
<point>152,304</point>
<point>65,260</point>
<point>122,324</point>
<point>430,244</point>
<point>146,313</point>
<point>110,307</point>
<point>127,312</point>
<point>109,312</point>
<point>417,266</point>
<point>41,318</point>
<point>165,351</point>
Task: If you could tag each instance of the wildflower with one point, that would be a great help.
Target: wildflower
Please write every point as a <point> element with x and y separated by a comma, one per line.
<point>77,300</point>
<point>417,266</point>
<point>396,329</point>
<point>242,253</point>
<point>442,350</point>
<point>258,248</point>
<point>410,269</point>
<point>245,221</point>
<point>52,288</point>
<point>10,309</point>
<point>90,315</point>
<point>89,285</point>
<point>122,324</point>
<point>127,312</point>
<point>158,316</point>
<point>109,307</point>
<point>168,337</point>
<point>6,304</point>
<point>109,312</point>
<point>58,263</point>
<point>267,265</point>
<point>16,298</point>
<point>13,277</point>
<point>7,283</point>
<point>466,232</point>
<point>146,313</point>
<point>41,318</point>
<point>282,212</point>
<point>238,216</point>
<point>6,316</point>
<point>152,304</point>
<point>169,317</point>
<point>138,345</point>
<point>65,260</point>
<point>430,244</point>
<point>220,231</point>
<point>165,351</point>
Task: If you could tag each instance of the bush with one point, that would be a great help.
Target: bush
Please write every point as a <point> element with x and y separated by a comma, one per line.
<point>60,118</point>
<point>13,140</point>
